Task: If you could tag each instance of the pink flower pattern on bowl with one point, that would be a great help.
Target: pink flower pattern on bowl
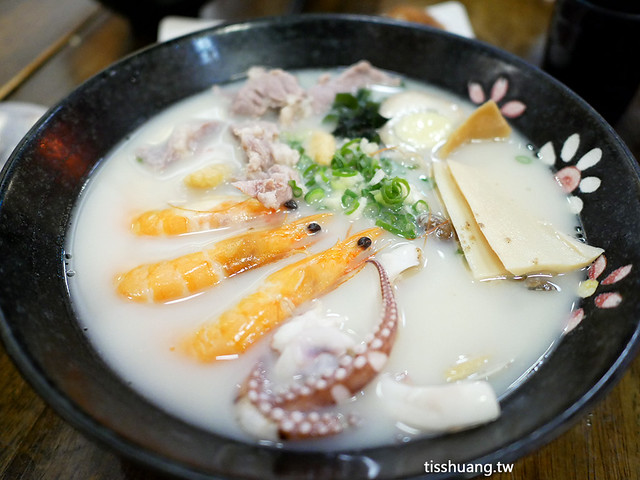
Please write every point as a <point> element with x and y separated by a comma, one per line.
<point>499,89</point>
<point>570,176</point>
<point>588,287</point>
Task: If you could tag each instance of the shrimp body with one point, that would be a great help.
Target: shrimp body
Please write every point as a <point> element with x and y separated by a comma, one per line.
<point>178,221</point>
<point>192,273</point>
<point>280,294</point>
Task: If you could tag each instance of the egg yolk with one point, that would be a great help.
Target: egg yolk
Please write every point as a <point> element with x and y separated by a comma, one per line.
<point>422,129</point>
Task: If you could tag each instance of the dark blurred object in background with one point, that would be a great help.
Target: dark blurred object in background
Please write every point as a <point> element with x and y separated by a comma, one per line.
<point>592,48</point>
<point>146,14</point>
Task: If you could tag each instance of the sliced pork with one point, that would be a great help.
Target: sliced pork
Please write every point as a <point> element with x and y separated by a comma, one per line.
<point>266,90</point>
<point>260,141</point>
<point>272,189</point>
<point>184,141</point>
<point>279,90</point>
<point>359,75</point>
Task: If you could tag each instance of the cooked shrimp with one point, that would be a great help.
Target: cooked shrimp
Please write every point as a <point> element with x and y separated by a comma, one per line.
<point>280,294</point>
<point>189,274</point>
<point>177,221</point>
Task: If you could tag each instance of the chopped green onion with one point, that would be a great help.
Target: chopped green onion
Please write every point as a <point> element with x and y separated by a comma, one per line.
<point>297,191</point>
<point>394,191</point>
<point>524,159</point>
<point>372,210</point>
<point>354,206</point>
<point>420,207</point>
<point>323,175</point>
<point>344,172</point>
<point>348,198</point>
<point>314,195</point>
<point>310,170</point>
<point>304,162</point>
<point>405,230</point>
<point>347,181</point>
<point>388,227</point>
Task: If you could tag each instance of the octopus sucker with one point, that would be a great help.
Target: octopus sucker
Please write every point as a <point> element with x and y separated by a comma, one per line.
<point>340,393</point>
<point>299,410</point>
<point>377,360</point>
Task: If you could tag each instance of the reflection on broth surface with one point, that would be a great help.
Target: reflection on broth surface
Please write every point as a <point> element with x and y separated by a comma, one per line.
<point>242,299</point>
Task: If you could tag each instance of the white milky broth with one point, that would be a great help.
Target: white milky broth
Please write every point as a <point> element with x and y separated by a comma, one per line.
<point>446,315</point>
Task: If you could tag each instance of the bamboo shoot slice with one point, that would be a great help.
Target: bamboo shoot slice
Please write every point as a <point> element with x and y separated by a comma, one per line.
<point>482,260</point>
<point>523,243</point>
<point>485,123</point>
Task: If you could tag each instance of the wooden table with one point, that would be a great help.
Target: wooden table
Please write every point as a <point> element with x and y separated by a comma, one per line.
<point>47,47</point>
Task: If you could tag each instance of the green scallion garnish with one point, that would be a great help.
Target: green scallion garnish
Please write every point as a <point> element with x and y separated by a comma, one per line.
<point>420,207</point>
<point>314,195</point>
<point>297,191</point>
<point>394,191</point>
<point>348,178</point>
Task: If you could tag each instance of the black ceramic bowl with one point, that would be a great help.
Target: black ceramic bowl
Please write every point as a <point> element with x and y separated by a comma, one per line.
<point>42,181</point>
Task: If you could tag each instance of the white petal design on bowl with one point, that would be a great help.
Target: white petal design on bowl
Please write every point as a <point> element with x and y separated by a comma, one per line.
<point>570,147</point>
<point>547,154</point>
<point>575,205</point>
<point>590,184</point>
<point>589,159</point>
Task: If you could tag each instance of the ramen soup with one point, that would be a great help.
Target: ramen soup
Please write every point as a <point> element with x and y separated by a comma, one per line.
<point>311,257</point>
